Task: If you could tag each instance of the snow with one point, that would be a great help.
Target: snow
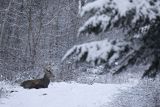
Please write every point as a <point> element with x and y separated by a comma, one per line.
<point>94,21</point>
<point>64,95</point>
<point>97,50</point>
<point>99,6</point>
<point>106,12</point>
<point>143,7</point>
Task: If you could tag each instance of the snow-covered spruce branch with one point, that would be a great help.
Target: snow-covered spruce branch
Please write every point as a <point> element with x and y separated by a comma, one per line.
<point>106,14</point>
<point>98,52</point>
<point>123,63</point>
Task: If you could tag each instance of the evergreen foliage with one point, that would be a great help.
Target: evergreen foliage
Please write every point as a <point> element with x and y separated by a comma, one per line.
<point>141,20</point>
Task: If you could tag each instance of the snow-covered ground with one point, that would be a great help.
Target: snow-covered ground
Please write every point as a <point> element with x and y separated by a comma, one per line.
<point>64,95</point>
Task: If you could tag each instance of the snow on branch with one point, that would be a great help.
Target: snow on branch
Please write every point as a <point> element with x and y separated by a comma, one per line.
<point>98,52</point>
<point>110,12</point>
<point>96,22</point>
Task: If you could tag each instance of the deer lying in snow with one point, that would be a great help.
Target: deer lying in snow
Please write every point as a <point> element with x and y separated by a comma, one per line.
<point>39,83</point>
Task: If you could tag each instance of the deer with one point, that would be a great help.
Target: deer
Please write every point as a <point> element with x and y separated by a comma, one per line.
<point>39,83</point>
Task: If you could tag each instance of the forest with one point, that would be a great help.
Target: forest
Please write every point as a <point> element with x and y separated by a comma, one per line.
<point>106,51</point>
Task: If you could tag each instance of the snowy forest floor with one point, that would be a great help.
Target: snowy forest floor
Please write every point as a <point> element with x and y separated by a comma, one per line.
<point>63,94</point>
<point>145,94</point>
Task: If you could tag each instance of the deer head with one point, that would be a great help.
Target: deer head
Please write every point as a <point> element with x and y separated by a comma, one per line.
<point>48,71</point>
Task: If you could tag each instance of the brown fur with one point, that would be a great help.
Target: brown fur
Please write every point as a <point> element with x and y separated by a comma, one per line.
<point>39,83</point>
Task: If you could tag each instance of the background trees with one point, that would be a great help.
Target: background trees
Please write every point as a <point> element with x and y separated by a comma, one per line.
<point>35,32</point>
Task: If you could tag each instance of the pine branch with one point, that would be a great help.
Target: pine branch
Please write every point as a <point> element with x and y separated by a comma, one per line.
<point>154,67</point>
<point>123,63</point>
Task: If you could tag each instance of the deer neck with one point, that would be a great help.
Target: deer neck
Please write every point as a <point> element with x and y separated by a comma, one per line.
<point>46,78</point>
